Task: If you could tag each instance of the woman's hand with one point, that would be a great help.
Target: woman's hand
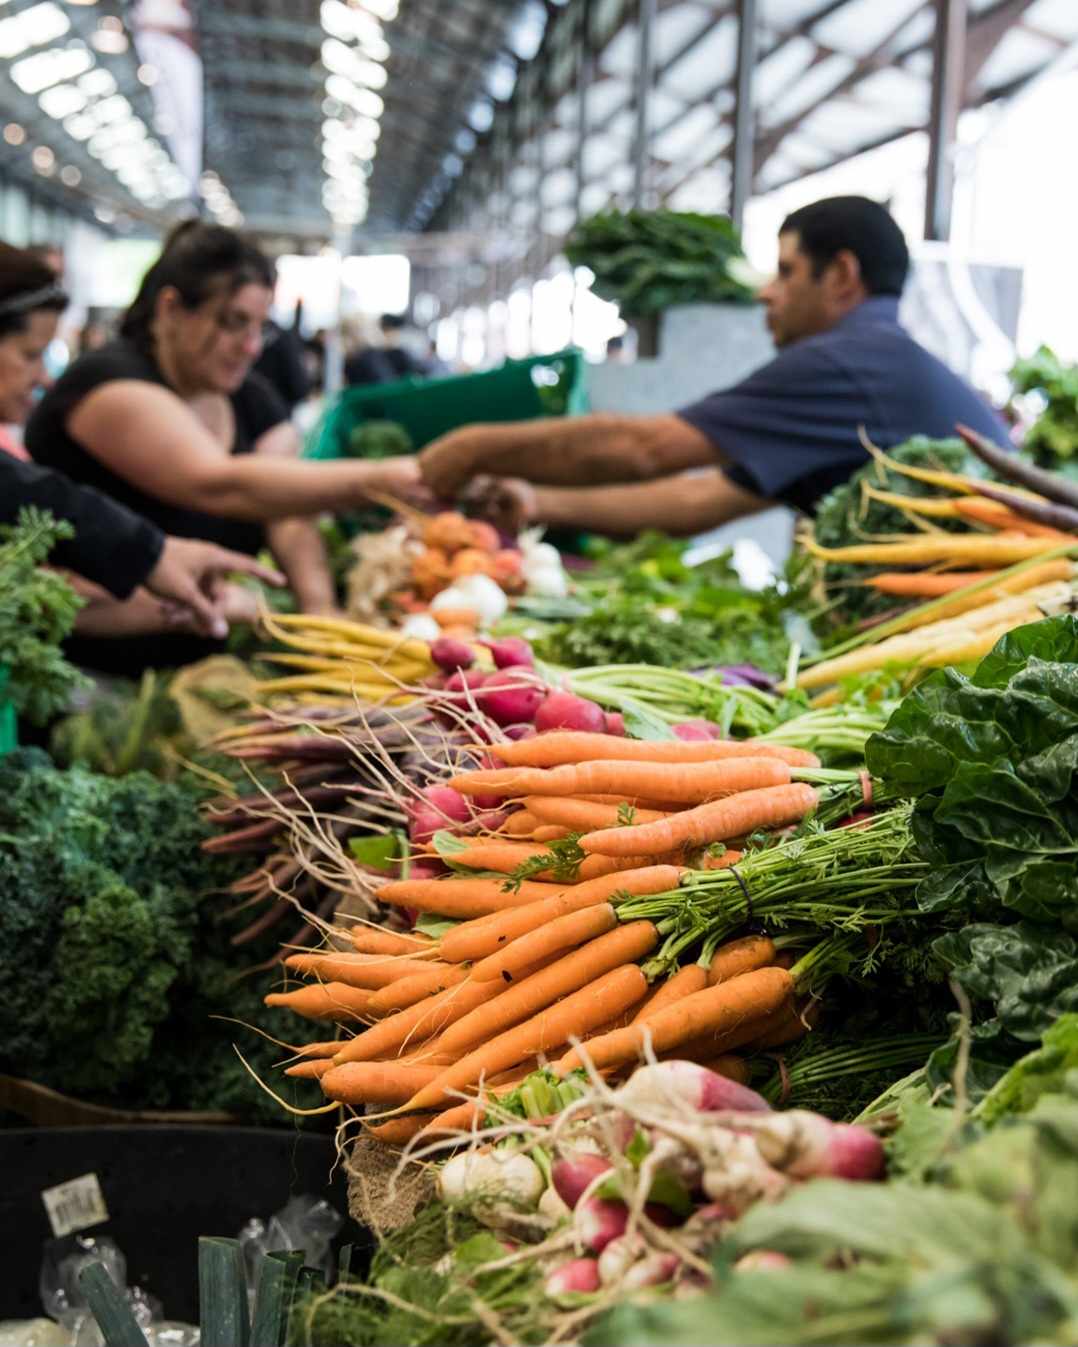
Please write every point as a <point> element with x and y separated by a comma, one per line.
<point>189,573</point>
<point>400,477</point>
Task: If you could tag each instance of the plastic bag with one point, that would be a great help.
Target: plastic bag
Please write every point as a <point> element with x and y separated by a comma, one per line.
<point>304,1222</point>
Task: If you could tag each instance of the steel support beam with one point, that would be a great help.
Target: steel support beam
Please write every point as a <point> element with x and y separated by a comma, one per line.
<point>584,71</point>
<point>645,79</point>
<point>948,67</point>
<point>741,176</point>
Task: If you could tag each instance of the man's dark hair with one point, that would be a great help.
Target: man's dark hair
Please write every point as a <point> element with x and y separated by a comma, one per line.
<point>860,226</point>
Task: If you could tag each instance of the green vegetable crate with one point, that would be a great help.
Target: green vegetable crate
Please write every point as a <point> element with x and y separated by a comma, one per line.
<point>9,737</point>
<point>544,385</point>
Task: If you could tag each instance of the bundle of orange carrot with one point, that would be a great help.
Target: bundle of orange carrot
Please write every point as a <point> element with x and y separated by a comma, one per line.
<point>538,970</point>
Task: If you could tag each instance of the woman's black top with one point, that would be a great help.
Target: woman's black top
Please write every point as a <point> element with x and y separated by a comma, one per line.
<point>256,409</point>
<point>112,546</point>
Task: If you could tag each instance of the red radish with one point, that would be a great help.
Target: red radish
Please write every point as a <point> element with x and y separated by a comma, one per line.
<point>615,724</point>
<point>435,681</point>
<point>580,1276</point>
<point>573,1174</point>
<point>693,730</point>
<point>510,697</point>
<point>450,654</point>
<point>598,1220</point>
<point>566,711</point>
<point>762,1260</point>
<point>691,1086</point>
<point>465,681</point>
<point>511,651</point>
<point>425,870</point>
<point>436,807</point>
<point>520,732</point>
<point>806,1145</point>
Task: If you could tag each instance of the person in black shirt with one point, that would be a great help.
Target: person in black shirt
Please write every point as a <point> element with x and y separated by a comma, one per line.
<point>170,421</point>
<point>112,547</point>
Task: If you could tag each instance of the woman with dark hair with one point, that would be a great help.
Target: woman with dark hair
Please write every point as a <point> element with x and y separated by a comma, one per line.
<point>113,548</point>
<point>171,421</point>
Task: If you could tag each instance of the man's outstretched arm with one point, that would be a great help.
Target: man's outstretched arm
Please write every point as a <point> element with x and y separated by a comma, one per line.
<point>680,505</point>
<point>566,451</point>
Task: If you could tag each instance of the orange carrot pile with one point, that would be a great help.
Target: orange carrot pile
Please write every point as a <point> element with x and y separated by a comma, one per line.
<point>542,969</point>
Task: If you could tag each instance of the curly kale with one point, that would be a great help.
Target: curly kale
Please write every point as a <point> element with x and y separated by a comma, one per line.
<point>37,611</point>
<point>110,958</point>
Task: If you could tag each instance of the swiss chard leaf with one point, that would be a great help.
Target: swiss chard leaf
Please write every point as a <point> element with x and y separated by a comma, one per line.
<point>1028,973</point>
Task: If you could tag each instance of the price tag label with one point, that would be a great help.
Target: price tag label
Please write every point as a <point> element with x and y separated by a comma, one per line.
<point>75,1205</point>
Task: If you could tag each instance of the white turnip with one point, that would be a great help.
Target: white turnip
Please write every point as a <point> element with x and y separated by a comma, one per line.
<point>491,1175</point>
<point>567,711</point>
<point>737,1175</point>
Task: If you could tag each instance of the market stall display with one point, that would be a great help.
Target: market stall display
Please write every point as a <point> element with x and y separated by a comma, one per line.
<point>561,875</point>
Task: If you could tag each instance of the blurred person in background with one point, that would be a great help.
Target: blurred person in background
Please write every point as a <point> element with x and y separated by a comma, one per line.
<point>385,358</point>
<point>170,420</point>
<point>282,362</point>
<point>93,334</point>
<point>113,550</point>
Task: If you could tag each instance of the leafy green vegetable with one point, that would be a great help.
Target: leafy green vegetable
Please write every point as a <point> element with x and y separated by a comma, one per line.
<point>992,760</point>
<point>379,439</point>
<point>1052,440</point>
<point>1047,1069</point>
<point>646,606</point>
<point>37,611</point>
<point>647,261</point>
<point>111,961</point>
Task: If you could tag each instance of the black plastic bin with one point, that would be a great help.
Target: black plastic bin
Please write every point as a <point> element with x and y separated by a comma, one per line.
<point>164,1187</point>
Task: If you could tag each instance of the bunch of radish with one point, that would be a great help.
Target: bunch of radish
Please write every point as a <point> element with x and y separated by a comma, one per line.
<point>694,1134</point>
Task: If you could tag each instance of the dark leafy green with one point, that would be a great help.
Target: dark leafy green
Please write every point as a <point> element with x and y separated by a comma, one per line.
<point>992,760</point>
<point>111,960</point>
<point>37,611</point>
<point>647,261</point>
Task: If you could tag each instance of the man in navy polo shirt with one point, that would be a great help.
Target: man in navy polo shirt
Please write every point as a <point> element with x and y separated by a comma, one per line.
<point>785,435</point>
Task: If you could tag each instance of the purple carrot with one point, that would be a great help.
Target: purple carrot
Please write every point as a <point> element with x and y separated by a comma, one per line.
<point>1015,469</point>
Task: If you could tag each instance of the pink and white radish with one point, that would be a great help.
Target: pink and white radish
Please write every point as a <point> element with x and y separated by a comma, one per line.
<point>615,724</point>
<point>805,1145</point>
<point>687,1085</point>
<point>653,1270</point>
<point>598,1220</point>
<point>574,1174</point>
<point>762,1260</point>
<point>580,1276</point>
<point>692,730</point>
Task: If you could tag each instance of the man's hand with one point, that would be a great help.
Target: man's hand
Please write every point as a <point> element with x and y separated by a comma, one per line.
<point>189,573</point>
<point>508,503</point>
<point>449,462</point>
